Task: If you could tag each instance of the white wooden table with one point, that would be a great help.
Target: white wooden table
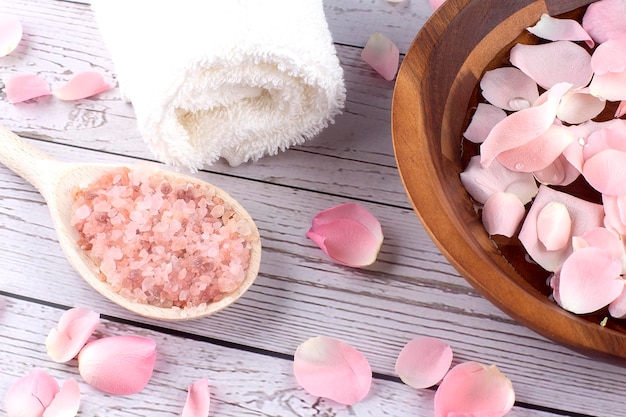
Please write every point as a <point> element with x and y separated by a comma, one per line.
<point>246,350</point>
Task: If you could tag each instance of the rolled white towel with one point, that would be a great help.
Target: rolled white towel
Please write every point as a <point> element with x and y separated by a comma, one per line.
<point>236,79</point>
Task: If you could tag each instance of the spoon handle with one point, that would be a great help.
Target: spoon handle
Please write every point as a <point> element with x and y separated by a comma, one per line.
<point>24,159</point>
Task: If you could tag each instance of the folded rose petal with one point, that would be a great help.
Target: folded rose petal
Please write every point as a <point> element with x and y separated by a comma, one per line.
<point>30,395</point>
<point>198,399</point>
<point>544,63</point>
<point>560,172</point>
<point>329,368</point>
<point>606,170</point>
<point>472,389</point>
<point>502,214</point>
<point>348,233</point>
<point>554,226</point>
<point>119,365</point>
<point>509,88</point>
<point>579,106</point>
<point>482,182</point>
<point>609,86</point>
<point>621,109</point>
<point>484,119</point>
<point>589,280</point>
<point>25,87</point>
<point>382,55</point>
<point>10,33</point>
<point>603,238</point>
<point>615,210</point>
<point>523,126</point>
<point>82,85</point>
<point>604,20</point>
<point>74,329</point>
<point>66,402</point>
<point>423,362</point>
<point>554,29</point>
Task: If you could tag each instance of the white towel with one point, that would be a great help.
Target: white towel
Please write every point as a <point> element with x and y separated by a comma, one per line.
<point>236,79</point>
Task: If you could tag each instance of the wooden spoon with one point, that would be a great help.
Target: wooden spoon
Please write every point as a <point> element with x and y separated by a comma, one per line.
<point>55,181</point>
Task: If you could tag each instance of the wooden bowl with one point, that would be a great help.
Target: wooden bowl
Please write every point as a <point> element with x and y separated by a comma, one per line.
<point>435,90</point>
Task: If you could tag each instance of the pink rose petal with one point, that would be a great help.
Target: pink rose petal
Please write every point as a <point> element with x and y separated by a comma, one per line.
<point>329,368</point>
<point>30,395</point>
<point>617,307</point>
<point>554,29</point>
<point>609,56</point>
<point>615,210</point>
<point>198,399</point>
<point>66,402</point>
<point>554,226</point>
<point>120,365</point>
<point>502,214</point>
<point>423,362</point>
<point>606,170</point>
<point>481,182</point>
<point>435,4</point>
<point>25,87</point>
<point>579,106</point>
<point>559,172</point>
<point>348,233</point>
<point>74,329</point>
<point>509,88</point>
<point>484,119</point>
<point>603,238</point>
<point>472,389</point>
<point>10,33</point>
<point>82,85</point>
<point>604,20</point>
<point>621,109</point>
<point>382,55</point>
<point>544,63</point>
<point>609,86</point>
<point>523,126</point>
<point>589,280</point>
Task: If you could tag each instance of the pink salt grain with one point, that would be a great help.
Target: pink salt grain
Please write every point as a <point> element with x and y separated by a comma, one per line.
<point>159,241</point>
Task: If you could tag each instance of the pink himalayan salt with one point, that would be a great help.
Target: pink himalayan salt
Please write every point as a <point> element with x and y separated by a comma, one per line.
<point>160,241</point>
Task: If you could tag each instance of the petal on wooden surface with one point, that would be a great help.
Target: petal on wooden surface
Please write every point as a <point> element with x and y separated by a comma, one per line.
<point>329,368</point>
<point>30,395</point>
<point>74,330</point>
<point>198,399</point>
<point>82,85</point>
<point>472,389</point>
<point>604,20</point>
<point>382,55</point>
<point>67,401</point>
<point>554,226</point>
<point>10,33</point>
<point>120,365</point>
<point>509,88</point>
<point>484,119</point>
<point>606,170</point>
<point>502,214</point>
<point>24,87</point>
<point>423,362</point>
<point>555,29</point>
<point>603,238</point>
<point>546,63</point>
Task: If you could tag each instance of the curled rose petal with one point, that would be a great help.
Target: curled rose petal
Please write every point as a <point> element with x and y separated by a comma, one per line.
<point>25,87</point>
<point>544,63</point>
<point>589,280</point>
<point>605,171</point>
<point>198,399</point>
<point>82,85</point>
<point>554,29</point>
<point>382,55</point>
<point>30,395</point>
<point>423,362</point>
<point>615,210</point>
<point>621,109</point>
<point>509,88</point>
<point>604,20</point>
<point>484,119</point>
<point>74,329</point>
<point>10,33</point>
<point>348,233</point>
<point>578,106</point>
<point>554,226</point>
<point>120,365</point>
<point>66,402</point>
<point>609,86</point>
<point>472,389</point>
<point>603,238</point>
<point>329,368</point>
<point>502,214</point>
<point>559,172</point>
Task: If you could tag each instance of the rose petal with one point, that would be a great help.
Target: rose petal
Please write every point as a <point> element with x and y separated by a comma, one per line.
<point>66,402</point>
<point>82,85</point>
<point>435,4</point>
<point>554,226</point>
<point>198,399</point>
<point>509,88</point>
<point>615,210</point>
<point>554,29</point>
<point>382,55</point>
<point>481,182</point>
<point>544,63</point>
<point>605,171</point>
<point>578,106</point>
<point>621,109</point>
<point>74,329</point>
<point>472,389</point>
<point>617,307</point>
<point>10,33</point>
<point>585,215</point>
<point>559,172</point>
<point>348,233</point>
<point>484,119</point>
<point>119,365</point>
<point>609,86</point>
<point>423,362</point>
<point>329,368</point>
<point>604,20</point>
<point>603,139</point>
<point>30,395</point>
<point>609,56</point>
<point>523,126</point>
<point>589,280</point>
<point>603,238</point>
<point>502,214</point>
<point>25,87</point>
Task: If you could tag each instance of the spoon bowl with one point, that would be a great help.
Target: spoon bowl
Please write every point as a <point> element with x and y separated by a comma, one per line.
<point>55,180</point>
